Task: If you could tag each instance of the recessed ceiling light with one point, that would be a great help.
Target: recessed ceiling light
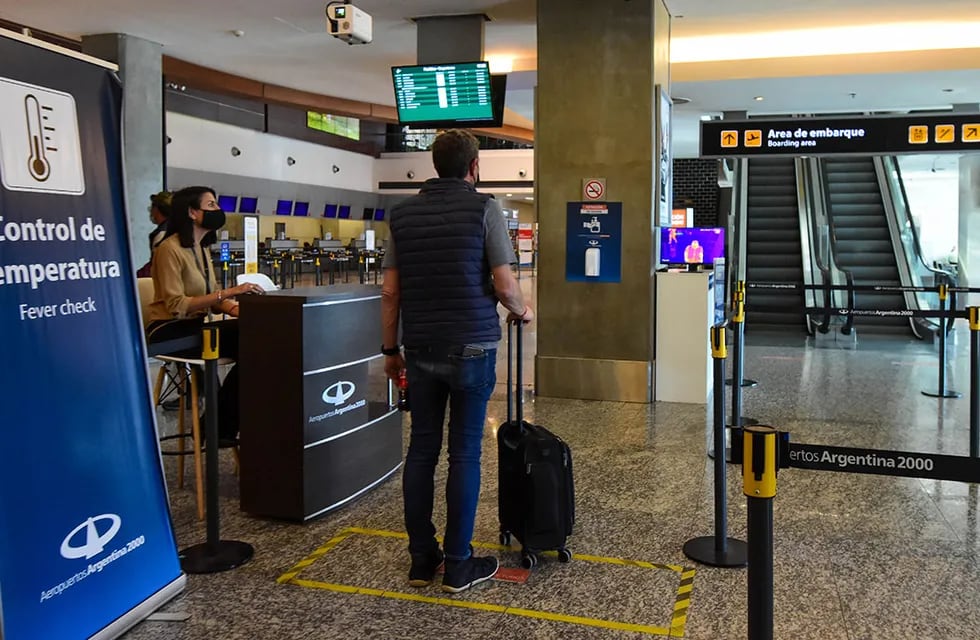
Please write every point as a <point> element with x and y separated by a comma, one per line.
<point>529,198</point>
<point>509,195</point>
<point>759,98</point>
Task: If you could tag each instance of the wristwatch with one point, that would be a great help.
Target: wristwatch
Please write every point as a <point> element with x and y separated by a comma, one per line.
<point>394,351</point>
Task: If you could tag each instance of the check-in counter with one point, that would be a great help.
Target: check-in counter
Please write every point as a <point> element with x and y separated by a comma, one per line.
<point>316,429</point>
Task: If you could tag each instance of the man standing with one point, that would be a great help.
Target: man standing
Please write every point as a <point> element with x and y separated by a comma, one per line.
<point>446,267</point>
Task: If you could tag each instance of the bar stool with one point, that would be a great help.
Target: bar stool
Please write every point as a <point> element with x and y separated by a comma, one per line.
<point>183,373</point>
<point>187,370</point>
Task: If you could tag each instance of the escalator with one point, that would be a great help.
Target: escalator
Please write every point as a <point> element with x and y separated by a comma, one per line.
<point>773,247</point>
<point>861,236</point>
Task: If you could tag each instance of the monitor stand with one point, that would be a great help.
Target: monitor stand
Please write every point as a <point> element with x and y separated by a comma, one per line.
<point>695,268</point>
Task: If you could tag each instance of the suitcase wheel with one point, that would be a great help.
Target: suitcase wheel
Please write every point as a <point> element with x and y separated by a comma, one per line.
<point>564,555</point>
<point>529,560</point>
<point>505,538</point>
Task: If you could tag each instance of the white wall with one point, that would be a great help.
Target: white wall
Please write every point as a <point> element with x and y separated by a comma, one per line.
<point>203,145</point>
<point>495,165</point>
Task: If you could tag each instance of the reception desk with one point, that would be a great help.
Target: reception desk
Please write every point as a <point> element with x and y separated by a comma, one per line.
<point>316,430</point>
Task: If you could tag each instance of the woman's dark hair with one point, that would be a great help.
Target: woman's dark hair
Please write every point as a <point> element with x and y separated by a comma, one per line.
<point>180,222</point>
<point>161,202</point>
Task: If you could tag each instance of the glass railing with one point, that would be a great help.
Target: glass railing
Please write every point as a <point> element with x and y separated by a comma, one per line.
<point>911,261</point>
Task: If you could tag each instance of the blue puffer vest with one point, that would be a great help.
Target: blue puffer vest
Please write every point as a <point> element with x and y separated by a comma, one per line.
<point>446,294</point>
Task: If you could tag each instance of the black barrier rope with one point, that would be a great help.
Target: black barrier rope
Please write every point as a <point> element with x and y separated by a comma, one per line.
<point>904,464</point>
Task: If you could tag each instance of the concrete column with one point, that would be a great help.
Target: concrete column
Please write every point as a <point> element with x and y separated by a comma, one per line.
<point>443,39</point>
<point>598,66</point>
<point>141,70</point>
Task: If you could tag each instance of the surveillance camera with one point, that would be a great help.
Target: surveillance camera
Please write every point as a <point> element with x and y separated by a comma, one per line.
<point>348,23</point>
<point>410,174</point>
<point>235,151</point>
<point>290,161</point>
<point>522,173</point>
<point>336,169</point>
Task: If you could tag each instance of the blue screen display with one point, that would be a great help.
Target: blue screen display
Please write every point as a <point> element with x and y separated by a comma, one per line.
<point>284,208</point>
<point>301,209</point>
<point>379,215</point>
<point>679,245</point>
<point>248,205</point>
<point>344,212</point>
<point>330,211</point>
<point>228,204</point>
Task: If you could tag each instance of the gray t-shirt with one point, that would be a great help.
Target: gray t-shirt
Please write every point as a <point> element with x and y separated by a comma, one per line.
<point>499,249</point>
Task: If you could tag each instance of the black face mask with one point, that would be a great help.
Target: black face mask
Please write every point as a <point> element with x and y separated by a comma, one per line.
<point>213,219</point>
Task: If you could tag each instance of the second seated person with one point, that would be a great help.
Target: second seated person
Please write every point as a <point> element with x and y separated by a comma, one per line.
<point>186,290</point>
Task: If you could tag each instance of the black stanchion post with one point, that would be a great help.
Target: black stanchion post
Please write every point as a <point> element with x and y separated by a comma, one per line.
<point>738,364</point>
<point>215,554</point>
<point>718,550</point>
<point>318,277</point>
<point>974,382</point>
<point>942,391</point>
<point>759,485</point>
<point>745,383</point>
<point>224,275</point>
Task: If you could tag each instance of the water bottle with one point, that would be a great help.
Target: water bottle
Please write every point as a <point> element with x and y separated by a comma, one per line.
<point>402,392</point>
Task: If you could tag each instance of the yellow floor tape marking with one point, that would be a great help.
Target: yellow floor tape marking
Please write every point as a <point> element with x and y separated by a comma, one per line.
<point>683,603</point>
<point>678,620</point>
<point>483,606</point>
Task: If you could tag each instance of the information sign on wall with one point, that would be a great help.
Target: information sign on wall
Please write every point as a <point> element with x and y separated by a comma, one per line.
<point>594,238</point>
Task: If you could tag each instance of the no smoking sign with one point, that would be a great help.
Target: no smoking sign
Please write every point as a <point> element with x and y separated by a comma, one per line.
<point>594,188</point>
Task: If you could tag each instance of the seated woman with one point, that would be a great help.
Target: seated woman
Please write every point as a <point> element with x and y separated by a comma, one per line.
<point>186,291</point>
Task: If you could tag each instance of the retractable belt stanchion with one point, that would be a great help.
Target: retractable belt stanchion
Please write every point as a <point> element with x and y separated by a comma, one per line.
<point>759,465</point>
<point>718,550</point>
<point>739,294</point>
<point>319,274</point>
<point>942,391</point>
<point>974,382</point>
<point>216,554</point>
<point>224,275</point>
<point>738,363</point>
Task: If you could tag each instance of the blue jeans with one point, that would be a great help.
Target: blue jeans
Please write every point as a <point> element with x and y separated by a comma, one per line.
<point>434,377</point>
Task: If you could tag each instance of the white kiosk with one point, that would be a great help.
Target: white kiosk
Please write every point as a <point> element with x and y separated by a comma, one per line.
<point>685,314</point>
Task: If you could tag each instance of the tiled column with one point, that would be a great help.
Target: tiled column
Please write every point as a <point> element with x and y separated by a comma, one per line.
<point>596,117</point>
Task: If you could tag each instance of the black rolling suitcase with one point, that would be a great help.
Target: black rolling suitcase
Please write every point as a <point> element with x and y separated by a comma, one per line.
<point>536,498</point>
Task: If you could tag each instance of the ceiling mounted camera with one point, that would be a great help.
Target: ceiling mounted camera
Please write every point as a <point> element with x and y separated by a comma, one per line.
<point>348,23</point>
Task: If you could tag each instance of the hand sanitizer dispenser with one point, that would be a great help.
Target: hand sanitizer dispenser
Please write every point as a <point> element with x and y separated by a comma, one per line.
<point>592,262</point>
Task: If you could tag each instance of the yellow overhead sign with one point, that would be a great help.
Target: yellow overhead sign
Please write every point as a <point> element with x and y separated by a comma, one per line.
<point>729,139</point>
<point>945,133</point>
<point>971,132</point>
<point>753,138</point>
<point>918,134</point>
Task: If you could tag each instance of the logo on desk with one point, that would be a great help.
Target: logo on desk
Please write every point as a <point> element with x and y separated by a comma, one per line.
<point>338,393</point>
<point>95,542</point>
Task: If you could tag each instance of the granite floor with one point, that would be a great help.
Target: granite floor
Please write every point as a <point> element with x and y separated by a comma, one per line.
<point>856,557</point>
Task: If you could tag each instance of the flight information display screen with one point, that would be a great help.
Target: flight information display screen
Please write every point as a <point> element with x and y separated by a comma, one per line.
<point>443,94</point>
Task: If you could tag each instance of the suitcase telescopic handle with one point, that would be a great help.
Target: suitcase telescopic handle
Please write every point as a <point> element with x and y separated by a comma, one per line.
<point>515,361</point>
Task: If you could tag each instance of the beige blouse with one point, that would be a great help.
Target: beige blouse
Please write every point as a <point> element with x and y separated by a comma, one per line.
<point>179,273</point>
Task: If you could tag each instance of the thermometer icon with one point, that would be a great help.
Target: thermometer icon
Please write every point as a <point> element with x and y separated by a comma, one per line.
<point>38,164</point>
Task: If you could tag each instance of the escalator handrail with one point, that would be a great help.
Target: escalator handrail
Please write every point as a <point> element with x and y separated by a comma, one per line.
<point>825,187</point>
<point>826,276</point>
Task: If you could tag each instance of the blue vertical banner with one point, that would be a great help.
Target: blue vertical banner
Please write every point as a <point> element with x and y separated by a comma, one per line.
<point>594,242</point>
<point>86,543</point>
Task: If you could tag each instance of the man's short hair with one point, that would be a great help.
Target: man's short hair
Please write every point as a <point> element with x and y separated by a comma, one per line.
<point>453,151</point>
